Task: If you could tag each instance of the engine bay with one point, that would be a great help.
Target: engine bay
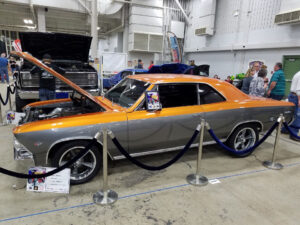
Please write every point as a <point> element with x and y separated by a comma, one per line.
<point>77,106</point>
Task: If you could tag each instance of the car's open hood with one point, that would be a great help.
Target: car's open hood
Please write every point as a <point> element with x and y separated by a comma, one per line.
<point>59,46</point>
<point>60,77</point>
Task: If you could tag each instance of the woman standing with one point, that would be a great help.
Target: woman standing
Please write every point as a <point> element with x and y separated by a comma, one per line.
<point>247,80</point>
<point>257,85</point>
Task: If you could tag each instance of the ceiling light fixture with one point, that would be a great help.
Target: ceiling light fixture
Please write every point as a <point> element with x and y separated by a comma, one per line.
<point>28,21</point>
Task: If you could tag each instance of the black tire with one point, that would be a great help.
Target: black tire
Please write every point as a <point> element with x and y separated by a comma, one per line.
<point>235,139</point>
<point>20,103</point>
<point>84,173</point>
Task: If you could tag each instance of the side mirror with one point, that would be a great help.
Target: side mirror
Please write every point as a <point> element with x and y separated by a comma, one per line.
<point>152,101</point>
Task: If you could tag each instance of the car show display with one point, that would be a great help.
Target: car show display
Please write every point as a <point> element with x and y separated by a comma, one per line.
<point>53,131</point>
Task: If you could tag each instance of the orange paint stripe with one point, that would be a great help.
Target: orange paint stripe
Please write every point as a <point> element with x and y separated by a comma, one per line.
<point>109,117</point>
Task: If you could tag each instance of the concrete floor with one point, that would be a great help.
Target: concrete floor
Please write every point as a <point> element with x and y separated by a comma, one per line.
<point>247,193</point>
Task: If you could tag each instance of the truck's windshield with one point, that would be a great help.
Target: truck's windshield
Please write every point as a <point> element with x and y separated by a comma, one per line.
<point>127,92</point>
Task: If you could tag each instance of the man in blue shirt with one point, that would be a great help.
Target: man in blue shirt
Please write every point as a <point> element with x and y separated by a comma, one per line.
<point>277,83</point>
<point>3,68</point>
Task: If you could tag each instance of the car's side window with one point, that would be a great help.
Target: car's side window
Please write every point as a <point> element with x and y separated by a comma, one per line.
<point>176,95</point>
<point>209,95</point>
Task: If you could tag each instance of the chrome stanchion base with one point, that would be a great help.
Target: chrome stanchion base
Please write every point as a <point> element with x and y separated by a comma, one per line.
<point>197,180</point>
<point>273,165</point>
<point>105,197</point>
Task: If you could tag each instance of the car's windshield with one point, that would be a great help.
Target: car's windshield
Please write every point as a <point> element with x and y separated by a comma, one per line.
<point>127,92</point>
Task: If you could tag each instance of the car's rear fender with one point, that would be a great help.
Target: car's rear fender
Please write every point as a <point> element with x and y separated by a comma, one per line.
<point>258,123</point>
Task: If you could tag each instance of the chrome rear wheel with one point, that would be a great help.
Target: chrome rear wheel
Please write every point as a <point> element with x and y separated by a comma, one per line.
<point>242,138</point>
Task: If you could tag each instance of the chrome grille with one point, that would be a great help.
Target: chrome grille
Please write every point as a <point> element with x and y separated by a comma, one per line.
<point>79,78</point>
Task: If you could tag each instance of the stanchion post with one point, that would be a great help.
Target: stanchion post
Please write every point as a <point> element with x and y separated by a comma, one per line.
<point>1,119</point>
<point>272,164</point>
<point>197,179</point>
<point>105,196</point>
<point>9,98</point>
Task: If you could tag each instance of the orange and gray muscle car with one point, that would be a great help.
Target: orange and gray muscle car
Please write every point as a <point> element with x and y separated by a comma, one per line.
<point>52,132</point>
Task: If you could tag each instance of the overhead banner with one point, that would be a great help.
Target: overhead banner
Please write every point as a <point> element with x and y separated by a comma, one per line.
<point>175,48</point>
<point>17,45</point>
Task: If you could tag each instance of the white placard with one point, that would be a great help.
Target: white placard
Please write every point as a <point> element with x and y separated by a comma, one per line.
<point>214,181</point>
<point>58,183</point>
<point>14,117</point>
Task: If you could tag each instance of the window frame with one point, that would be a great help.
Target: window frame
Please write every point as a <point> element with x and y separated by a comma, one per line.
<point>181,83</point>
<point>156,88</point>
<point>225,99</point>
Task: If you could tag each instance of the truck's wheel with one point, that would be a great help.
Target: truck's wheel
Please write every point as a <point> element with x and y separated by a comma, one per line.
<point>242,138</point>
<point>85,168</point>
<point>20,103</point>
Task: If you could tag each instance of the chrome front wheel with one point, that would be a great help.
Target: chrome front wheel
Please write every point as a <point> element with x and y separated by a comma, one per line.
<point>85,168</point>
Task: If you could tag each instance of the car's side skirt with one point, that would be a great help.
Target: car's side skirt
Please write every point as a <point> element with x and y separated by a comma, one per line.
<point>152,152</point>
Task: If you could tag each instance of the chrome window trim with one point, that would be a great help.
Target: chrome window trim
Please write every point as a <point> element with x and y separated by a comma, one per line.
<point>158,151</point>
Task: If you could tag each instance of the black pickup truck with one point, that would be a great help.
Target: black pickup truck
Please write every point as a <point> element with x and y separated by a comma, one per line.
<point>69,52</point>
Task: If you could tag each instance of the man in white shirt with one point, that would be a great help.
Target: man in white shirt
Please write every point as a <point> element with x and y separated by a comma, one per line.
<point>294,97</point>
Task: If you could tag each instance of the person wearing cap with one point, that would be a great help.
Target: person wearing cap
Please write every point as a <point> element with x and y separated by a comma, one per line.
<point>47,80</point>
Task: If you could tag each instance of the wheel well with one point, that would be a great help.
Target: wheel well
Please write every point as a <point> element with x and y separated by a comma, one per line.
<point>58,145</point>
<point>259,125</point>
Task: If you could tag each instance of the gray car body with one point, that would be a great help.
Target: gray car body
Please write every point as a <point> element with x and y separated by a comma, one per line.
<point>154,135</point>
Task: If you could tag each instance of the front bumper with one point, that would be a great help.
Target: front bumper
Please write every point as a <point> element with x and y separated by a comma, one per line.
<point>35,94</point>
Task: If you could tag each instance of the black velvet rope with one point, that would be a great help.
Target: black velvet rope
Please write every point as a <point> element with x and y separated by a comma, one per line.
<point>12,91</point>
<point>69,163</point>
<point>245,151</point>
<point>290,131</point>
<point>147,167</point>
<point>7,96</point>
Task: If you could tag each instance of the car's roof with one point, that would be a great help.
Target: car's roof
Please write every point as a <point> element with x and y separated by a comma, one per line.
<point>172,78</point>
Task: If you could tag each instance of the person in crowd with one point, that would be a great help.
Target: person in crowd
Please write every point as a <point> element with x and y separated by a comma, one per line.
<point>277,83</point>
<point>3,68</point>
<point>294,97</point>
<point>216,77</point>
<point>256,66</point>
<point>151,64</point>
<point>228,79</point>
<point>257,85</point>
<point>47,80</point>
<point>192,63</point>
<point>140,64</point>
<point>135,64</point>
<point>14,67</point>
<point>247,80</point>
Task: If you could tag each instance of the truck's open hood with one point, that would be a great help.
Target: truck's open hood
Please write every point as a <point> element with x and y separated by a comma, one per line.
<point>60,77</point>
<point>59,46</point>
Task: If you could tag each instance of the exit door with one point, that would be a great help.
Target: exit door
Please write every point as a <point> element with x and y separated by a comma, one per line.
<point>291,65</point>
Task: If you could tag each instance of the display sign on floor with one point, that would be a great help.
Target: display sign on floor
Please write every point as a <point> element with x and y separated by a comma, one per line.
<point>58,183</point>
<point>14,117</point>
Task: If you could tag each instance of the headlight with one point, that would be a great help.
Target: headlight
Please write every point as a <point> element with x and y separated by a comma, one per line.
<point>20,151</point>
<point>26,76</point>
